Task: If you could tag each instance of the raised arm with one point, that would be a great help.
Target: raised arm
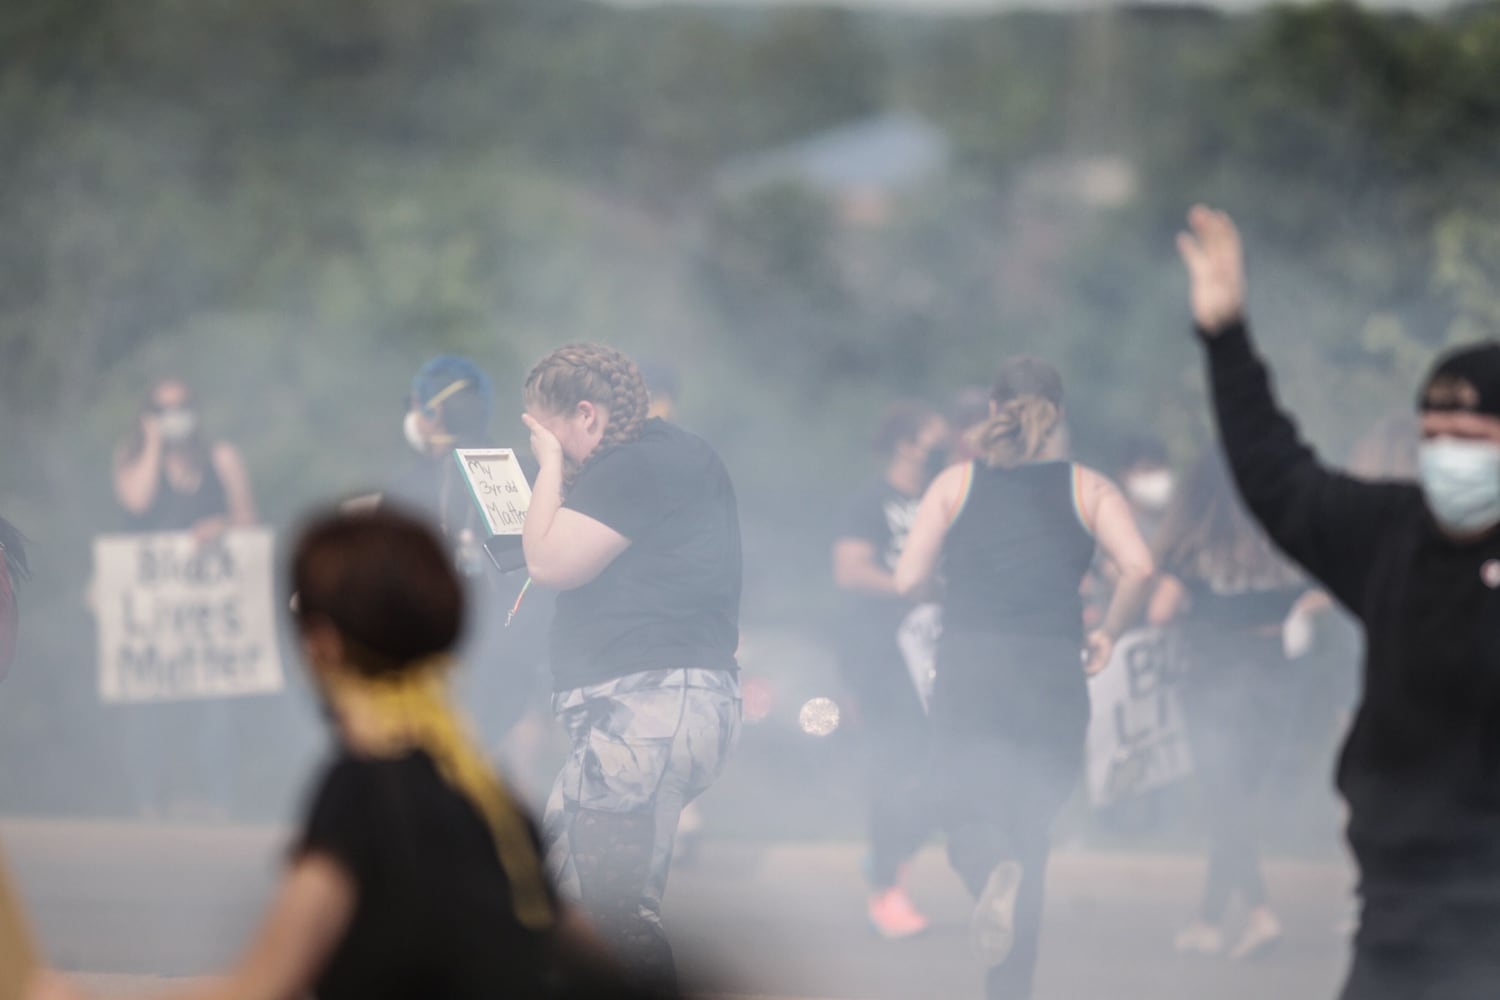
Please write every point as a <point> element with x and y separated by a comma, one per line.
<point>232,473</point>
<point>1323,520</point>
<point>564,548</point>
<point>137,476</point>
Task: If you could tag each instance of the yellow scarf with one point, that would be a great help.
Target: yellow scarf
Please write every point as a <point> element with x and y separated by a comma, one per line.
<point>409,710</point>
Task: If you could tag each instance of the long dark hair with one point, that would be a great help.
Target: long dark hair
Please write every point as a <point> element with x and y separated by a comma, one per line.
<point>12,543</point>
<point>1209,537</point>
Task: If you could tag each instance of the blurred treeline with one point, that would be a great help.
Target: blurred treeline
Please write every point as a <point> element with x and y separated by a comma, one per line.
<point>293,204</point>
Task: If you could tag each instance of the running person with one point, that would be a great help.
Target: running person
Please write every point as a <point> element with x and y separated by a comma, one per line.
<point>1016,530</point>
<point>635,521</point>
<point>871,533</point>
<point>1419,565</point>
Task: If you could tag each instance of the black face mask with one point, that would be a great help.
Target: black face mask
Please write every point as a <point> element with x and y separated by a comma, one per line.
<point>937,460</point>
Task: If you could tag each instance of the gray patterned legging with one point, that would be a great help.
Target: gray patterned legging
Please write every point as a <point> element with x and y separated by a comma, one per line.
<point>643,747</point>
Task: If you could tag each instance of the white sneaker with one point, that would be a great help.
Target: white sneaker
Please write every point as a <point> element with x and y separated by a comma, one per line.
<point>1261,933</point>
<point>1198,938</point>
<point>994,921</point>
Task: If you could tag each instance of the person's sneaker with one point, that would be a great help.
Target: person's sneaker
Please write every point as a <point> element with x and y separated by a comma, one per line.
<point>1261,933</point>
<point>994,921</point>
<point>893,915</point>
<point>1199,938</point>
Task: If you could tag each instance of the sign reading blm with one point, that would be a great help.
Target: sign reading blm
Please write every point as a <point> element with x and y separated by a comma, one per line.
<point>499,487</point>
<point>182,619</point>
<point>1136,739</point>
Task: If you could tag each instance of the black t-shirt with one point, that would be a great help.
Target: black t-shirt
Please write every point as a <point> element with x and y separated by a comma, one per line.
<point>433,916</point>
<point>881,515</point>
<point>672,599</point>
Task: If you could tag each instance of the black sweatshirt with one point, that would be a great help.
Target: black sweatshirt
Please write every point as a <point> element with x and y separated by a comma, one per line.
<point>1421,767</point>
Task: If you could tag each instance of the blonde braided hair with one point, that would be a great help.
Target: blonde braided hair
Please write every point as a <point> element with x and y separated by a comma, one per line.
<point>597,374</point>
<point>1028,397</point>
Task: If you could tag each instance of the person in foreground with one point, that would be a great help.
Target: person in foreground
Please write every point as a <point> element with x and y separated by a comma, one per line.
<point>415,875</point>
<point>1419,565</point>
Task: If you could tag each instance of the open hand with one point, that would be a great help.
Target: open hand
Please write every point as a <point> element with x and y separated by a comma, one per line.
<point>1216,268</point>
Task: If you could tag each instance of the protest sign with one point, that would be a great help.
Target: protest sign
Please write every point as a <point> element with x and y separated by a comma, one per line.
<point>180,619</point>
<point>498,485</point>
<point>1137,740</point>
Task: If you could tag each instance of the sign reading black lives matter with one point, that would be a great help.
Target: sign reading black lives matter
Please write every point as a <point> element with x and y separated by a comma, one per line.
<point>180,619</point>
<point>1137,741</point>
<point>499,487</point>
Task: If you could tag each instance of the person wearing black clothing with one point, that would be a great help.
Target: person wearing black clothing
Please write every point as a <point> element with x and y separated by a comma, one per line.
<point>875,619</point>
<point>450,406</point>
<point>1016,531</point>
<point>635,521</point>
<point>1230,595</point>
<point>416,875</point>
<point>1419,565</point>
<point>169,476</point>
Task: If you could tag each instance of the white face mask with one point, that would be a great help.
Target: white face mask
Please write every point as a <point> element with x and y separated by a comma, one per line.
<point>413,431</point>
<point>1150,490</point>
<point>1461,480</point>
<point>177,425</point>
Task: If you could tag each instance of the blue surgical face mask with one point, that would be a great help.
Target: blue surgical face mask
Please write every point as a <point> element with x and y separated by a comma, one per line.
<point>1461,481</point>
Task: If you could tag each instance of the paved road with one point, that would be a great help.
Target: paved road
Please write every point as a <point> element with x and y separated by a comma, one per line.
<point>754,920</point>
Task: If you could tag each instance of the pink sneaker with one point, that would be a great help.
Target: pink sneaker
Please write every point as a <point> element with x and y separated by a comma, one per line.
<point>893,915</point>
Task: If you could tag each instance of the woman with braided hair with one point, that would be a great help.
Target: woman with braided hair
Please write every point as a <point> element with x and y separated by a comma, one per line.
<point>635,521</point>
<point>1016,530</point>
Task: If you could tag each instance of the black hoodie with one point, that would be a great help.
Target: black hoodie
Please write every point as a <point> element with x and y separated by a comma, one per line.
<point>1420,768</point>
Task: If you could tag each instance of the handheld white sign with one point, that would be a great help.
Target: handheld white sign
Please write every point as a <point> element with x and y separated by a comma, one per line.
<point>181,619</point>
<point>1137,740</point>
<point>498,485</point>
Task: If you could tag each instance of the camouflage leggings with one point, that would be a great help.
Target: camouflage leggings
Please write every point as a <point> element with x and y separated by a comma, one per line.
<point>643,747</point>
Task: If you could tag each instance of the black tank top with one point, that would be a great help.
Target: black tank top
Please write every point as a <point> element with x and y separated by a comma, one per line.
<point>171,510</point>
<point>1017,553</point>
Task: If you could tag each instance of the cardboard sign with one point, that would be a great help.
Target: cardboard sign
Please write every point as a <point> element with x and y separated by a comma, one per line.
<point>181,619</point>
<point>498,485</point>
<point>1137,740</point>
<point>18,954</point>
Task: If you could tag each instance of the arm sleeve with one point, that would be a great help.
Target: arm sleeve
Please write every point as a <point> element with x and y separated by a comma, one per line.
<point>339,822</point>
<point>1328,522</point>
<point>619,492</point>
<point>862,519</point>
